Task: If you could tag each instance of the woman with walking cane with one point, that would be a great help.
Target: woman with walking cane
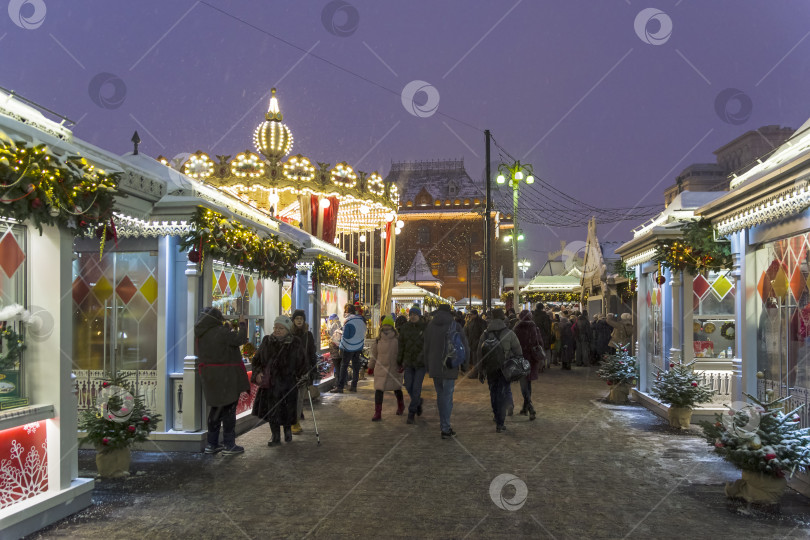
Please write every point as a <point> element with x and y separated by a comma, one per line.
<point>279,366</point>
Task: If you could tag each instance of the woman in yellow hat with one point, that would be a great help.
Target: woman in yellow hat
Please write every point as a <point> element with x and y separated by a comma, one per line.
<point>383,365</point>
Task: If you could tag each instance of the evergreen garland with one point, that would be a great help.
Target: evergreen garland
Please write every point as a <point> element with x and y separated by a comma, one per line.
<point>620,368</point>
<point>697,251</point>
<point>13,346</point>
<point>121,420</point>
<point>237,245</point>
<point>329,272</point>
<point>680,386</point>
<point>39,186</point>
<point>761,438</point>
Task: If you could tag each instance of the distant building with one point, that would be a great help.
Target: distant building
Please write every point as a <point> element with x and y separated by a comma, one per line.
<point>442,208</point>
<point>733,158</point>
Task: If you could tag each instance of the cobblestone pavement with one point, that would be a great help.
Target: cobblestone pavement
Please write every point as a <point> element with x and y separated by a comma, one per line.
<point>590,470</point>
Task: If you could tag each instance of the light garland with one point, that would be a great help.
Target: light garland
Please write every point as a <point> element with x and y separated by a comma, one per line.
<point>343,175</point>
<point>299,169</point>
<point>374,184</point>
<point>199,165</point>
<point>247,164</point>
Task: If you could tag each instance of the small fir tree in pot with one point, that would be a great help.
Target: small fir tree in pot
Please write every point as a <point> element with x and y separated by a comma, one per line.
<point>620,371</point>
<point>762,441</point>
<point>118,420</point>
<point>681,389</point>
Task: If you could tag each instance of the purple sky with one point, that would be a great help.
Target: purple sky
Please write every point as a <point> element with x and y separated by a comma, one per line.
<point>602,114</point>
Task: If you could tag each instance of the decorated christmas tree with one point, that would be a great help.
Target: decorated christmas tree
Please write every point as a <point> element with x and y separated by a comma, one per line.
<point>680,386</point>
<point>759,437</point>
<point>618,369</point>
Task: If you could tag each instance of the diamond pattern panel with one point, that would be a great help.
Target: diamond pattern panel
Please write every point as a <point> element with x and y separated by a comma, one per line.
<point>149,289</point>
<point>103,289</point>
<point>11,256</point>
<point>259,287</point>
<point>722,285</point>
<point>80,290</point>
<point>223,283</point>
<point>780,283</point>
<point>761,287</point>
<point>797,283</point>
<point>214,285</point>
<point>700,285</point>
<point>251,287</point>
<point>126,289</point>
<point>138,307</point>
<point>649,300</point>
<point>242,285</point>
<point>232,284</point>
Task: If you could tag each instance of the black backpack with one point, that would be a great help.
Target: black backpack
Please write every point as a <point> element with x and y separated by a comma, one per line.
<point>492,355</point>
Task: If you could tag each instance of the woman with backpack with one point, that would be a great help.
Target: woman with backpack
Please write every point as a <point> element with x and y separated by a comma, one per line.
<point>497,344</point>
<point>383,365</point>
<point>532,346</point>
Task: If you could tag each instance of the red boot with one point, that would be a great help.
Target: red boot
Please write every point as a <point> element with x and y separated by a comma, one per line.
<point>400,405</point>
<point>377,412</point>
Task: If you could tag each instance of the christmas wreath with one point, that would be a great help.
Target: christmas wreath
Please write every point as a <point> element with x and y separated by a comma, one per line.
<point>727,330</point>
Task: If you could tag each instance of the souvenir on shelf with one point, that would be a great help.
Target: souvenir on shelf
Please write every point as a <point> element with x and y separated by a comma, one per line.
<point>696,326</point>
<point>709,328</point>
<point>704,349</point>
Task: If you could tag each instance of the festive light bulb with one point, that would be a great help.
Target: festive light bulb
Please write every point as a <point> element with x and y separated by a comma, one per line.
<point>397,231</point>
<point>325,203</point>
<point>362,237</point>
<point>389,217</point>
<point>400,224</point>
<point>383,234</point>
<point>364,209</point>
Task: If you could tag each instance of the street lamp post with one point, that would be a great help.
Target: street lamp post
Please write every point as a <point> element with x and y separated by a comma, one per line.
<point>515,173</point>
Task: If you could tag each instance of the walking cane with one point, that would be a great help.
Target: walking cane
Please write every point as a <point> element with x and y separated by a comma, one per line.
<point>311,406</point>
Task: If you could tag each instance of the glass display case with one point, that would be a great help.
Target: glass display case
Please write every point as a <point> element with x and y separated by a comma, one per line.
<point>713,326</point>
<point>239,293</point>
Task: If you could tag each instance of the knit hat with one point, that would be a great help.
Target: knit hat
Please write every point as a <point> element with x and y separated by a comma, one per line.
<point>444,307</point>
<point>389,320</point>
<point>284,321</point>
<point>415,311</point>
<point>333,317</point>
<point>498,313</point>
<point>299,313</point>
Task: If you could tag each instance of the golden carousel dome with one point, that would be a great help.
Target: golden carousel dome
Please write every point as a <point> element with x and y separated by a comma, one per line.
<point>272,138</point>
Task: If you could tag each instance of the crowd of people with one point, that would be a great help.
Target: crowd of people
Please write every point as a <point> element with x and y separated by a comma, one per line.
<point>444,344</point>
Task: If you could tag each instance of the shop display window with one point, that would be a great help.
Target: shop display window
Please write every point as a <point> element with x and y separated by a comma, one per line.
<point>115,305</point>
<point>329,306</point>
<point>713,327</point>
<point>287,297</point>
<point>236,293</point>
<point>13,277</point>
<point>783,320</point>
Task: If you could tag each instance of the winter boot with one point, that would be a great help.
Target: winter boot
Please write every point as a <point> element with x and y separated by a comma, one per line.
<point>377,412</point>
<point>419,408</point>
<point>524,410</point>
<point>410,419</point>
<point>400,405</point>
<point>287,434</point>
<point>297,429</point>
<point>532,412</point>
<point>275,430</point>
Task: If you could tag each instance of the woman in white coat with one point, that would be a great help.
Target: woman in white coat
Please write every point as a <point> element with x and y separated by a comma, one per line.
<point>383,365</point>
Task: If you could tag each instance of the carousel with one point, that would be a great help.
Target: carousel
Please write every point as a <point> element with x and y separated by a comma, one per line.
<point>353,210</point>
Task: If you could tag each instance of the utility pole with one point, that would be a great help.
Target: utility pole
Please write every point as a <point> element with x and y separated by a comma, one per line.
<point>515,287</point>
<point>487,230</point>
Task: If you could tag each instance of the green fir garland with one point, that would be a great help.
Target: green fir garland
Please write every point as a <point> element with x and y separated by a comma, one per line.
<point>330,272</point>
<point>697,251</point>
<point>13,346</point>
<point>238,245</point>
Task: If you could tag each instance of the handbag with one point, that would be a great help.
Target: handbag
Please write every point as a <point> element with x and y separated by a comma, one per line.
<point>515,368</point>
<point>539,353</point>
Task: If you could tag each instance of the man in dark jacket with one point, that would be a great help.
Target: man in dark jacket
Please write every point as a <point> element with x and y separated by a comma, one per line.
<point>473,330</point>
<point>411,342</point>
<point>543,323</point>
<point>582,335</point>
<point>300,329</point>
<point>223,375</point>
<point>444,377</point>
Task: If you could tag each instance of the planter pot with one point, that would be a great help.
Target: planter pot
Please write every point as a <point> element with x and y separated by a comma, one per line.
<point>619,392</point>
<point>756,487</point>
<point>114,463</point>
<point>680,417</point>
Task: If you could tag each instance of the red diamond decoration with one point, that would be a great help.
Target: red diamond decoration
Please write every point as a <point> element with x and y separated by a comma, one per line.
<point>797,284</point>
<point>80,290</point>
<point>126,289</point>
<point>242,285</point>
<point>649,300</point>
<point>259,287</point>
<point>761,286</point>
<point>700,285</point>
<point>223,282</point>
<point>11,256</point>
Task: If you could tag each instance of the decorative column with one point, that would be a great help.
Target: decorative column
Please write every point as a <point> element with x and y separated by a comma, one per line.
<point>676,349</point>
<point>192,392</point>
<point>688,317</point>
<point>642,319</point>
<point>744,363</point>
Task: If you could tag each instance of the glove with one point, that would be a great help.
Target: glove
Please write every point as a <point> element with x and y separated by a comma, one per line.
<point>400,369</point>
<point>448,364</point>
<point>370,371</point>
